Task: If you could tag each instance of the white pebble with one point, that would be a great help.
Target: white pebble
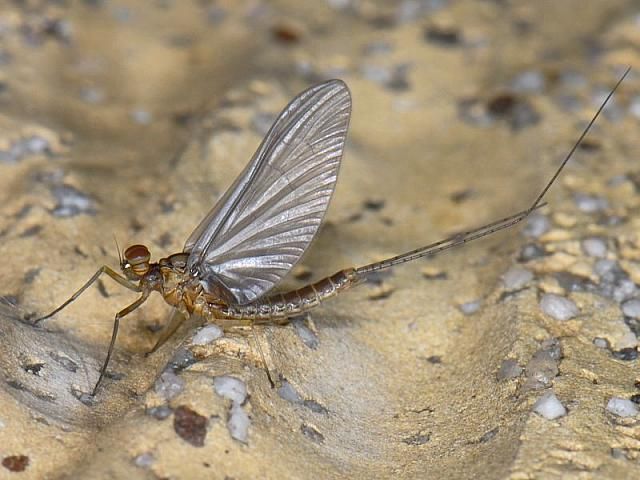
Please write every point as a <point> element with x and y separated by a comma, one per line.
<point>594,247</point>
<point>206,335</point>
<point>305,333</point>
<point>141,116</point>
<point>231,388</point>
<point>530,81</point>
<point>631,308</point>
<point>549,407</point>
<point>169,385</point>
<point>339,4</point>
<point>287,392</point>
<point>590,203</point>
<point>601,342</point>
<point>634,106</point>
<point>509,369</point>
<point>558,307</point>
<point>516,278</point>
<point>605,267</point>
<point>537,225</point>
<point>92,95</point>
<point>625,290</point>
<point>622,407</point>
<point>238,423</point>
<point>376,73</point>
<point>144,460</point>
<point>469,308</point>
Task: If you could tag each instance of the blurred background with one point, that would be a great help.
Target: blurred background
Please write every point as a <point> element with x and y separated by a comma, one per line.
<point>129,118</point>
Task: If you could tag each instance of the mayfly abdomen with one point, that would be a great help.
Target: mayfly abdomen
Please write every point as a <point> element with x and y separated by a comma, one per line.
<point>284,305</point>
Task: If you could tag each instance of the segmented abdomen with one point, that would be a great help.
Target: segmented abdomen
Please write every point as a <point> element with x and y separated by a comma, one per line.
<point>280,306</point>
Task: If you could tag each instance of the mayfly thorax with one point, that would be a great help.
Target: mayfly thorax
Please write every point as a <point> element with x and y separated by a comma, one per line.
<point>263,224</point>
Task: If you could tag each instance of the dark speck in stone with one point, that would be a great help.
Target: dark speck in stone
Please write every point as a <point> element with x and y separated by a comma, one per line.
<point>31,274</point>
<point>573,283</point>
<point>490,435</point>
<point>34,368</point>
<point>461,195</point>
<point>285,34</point>
<point>31,231</point>
<point>517,111</point>
<point>311,433</point>
<point>114,375</point>
<point>376,278</point>
<point>382,21</point>
<point>531,251</point>
<point>83,397</point>
<point>374,204</point>
<point>434,359</point>
<point>165,240</point>
<point>182,359</point>
<point>417,439</point>
<point>167,207</point>
<point>190,425</point>
<point>590,145</point>
<point>102,289</point>
<point>626,354</point>
<point>354,217</point>
<point>136,226</point>
<point>399,81</point>
<point>23,212</point>
<point>502,104</point>
<point>160,413</point>
<point>443,36</point>
<point>315,406</point>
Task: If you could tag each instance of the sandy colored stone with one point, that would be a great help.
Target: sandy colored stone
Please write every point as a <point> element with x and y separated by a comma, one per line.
<point>632,269</point>
<point>556,235</point>
<point>564,220</point>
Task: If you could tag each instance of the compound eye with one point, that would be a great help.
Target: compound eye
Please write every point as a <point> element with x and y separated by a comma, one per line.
<point>137,255</point>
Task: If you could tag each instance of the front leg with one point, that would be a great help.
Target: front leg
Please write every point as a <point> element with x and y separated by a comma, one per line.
<point>114,334</point>
<point>103,269</point>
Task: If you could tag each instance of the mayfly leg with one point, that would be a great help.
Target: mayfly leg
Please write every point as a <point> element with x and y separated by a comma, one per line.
<point>262,357</point>
<point>104,269</point>
<point>114,334</point>
<point>488,229</point>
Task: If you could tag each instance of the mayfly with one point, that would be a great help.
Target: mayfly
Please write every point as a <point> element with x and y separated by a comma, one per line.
<point>261,227</point>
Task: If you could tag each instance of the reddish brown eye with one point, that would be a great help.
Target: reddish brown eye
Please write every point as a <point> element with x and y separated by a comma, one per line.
<point>137,254</point>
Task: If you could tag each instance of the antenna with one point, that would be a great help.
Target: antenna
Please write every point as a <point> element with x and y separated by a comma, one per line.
<point>118,249</point>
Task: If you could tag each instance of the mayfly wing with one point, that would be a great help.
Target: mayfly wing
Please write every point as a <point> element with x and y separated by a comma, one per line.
<point>263,224</point>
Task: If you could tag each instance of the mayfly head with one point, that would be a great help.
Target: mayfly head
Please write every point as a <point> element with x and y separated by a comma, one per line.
<point>136,262</point>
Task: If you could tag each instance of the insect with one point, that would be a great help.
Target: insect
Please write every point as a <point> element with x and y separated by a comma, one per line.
<point>261,227</point>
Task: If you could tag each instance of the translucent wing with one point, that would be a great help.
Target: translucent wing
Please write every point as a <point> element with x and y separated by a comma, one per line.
<point>263,224</point>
